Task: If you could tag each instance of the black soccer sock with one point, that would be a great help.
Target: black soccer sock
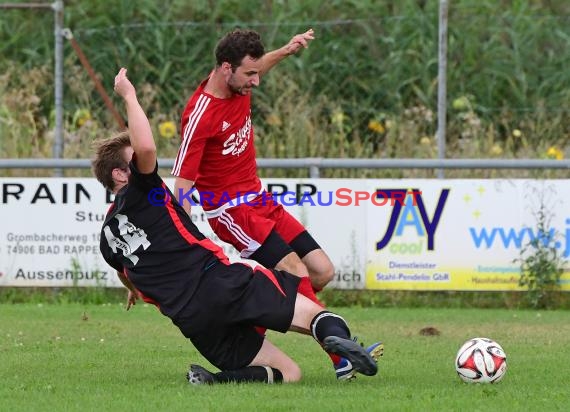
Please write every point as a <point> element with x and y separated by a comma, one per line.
<point>250,374</point>
<point>329,324</point>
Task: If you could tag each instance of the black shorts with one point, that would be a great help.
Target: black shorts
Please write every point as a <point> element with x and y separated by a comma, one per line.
<point>230,301</point>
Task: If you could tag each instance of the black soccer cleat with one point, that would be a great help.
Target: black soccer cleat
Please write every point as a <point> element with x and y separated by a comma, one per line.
<point>358,356</point>
<point>197,375</point>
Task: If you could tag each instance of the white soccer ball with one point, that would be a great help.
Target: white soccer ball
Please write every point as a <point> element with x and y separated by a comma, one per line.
<point>481,360</point>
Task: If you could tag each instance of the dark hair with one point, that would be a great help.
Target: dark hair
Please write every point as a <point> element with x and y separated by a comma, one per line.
<point>109,155</point>
<point>237,44</point>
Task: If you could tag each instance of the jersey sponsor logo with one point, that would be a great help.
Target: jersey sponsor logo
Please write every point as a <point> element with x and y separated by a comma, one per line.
<point>237,142</point>
<point>225,126</point>
<point>129,240</point>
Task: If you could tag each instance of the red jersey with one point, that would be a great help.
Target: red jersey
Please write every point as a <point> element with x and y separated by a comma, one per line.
<point>217,150</point>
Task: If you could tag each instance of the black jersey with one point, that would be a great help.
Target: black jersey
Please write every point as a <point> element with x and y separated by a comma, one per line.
<point>149,237</point>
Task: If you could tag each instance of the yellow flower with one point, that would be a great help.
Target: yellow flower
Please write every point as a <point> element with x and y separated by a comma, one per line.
<point>376,126</point>
<point>338,117</point>
<point>496,150</point>
<point>517,133</point>
<point>554,153</point>
<point>80,117</point>
<point>167,129</point>
<point>425,141</point>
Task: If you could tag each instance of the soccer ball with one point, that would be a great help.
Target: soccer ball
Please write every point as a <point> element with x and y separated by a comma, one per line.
<point>481,360</point>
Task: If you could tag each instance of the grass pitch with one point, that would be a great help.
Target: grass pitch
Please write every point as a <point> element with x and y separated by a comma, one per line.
<point>70,357</point>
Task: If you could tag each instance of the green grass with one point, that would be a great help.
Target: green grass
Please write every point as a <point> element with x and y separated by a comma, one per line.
<point>87,357</point>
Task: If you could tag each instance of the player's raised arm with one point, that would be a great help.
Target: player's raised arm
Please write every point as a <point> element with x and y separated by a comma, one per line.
<point>142,141</point>
<point>297,42</point>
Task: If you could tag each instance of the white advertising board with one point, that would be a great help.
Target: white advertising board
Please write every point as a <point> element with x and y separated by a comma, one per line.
<point>50,228</point>
<point>463,234</point>
<point>380,234</point>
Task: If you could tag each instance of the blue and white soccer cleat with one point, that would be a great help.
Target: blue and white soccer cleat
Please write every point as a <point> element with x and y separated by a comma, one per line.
<point>345,370</point>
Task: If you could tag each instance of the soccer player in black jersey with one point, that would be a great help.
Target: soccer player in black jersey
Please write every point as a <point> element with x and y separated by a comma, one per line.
<point>162,257</point>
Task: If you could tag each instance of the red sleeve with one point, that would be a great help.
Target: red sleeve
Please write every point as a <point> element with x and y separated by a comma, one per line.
<point>195,132</point>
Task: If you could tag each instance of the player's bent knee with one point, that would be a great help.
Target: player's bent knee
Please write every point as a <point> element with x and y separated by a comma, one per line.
<point>329,273</point>
<point>320,278</point>
<point>292,373</point>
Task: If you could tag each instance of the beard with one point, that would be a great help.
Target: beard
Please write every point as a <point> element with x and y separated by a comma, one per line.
<point>239,90</point>
<point>236,89</point>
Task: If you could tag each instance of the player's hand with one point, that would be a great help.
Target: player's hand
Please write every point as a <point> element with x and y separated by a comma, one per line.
<point>123,86</point>
<point>131,299</point>
<point>300,41</point>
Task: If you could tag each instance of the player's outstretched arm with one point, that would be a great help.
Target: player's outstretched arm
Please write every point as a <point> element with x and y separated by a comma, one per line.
<point>139,126</point>
<point>298,42</point>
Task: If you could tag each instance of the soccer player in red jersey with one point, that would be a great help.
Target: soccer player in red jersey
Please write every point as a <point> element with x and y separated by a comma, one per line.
<point>217,157</point>
<point>161,256</point>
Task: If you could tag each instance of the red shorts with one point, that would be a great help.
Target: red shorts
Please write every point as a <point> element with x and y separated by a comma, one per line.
<point>246,226</point>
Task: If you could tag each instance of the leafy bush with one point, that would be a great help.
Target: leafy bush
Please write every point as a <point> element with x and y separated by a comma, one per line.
<point>540,260</point>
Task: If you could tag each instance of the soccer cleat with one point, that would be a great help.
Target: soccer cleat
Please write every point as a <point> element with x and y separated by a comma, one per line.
<point>197,375</point>
<point>344,369</point>
<point>360,359</point>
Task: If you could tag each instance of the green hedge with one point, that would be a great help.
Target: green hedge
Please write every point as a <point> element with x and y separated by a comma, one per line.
<point>331,297</point>
<point>372,61</point>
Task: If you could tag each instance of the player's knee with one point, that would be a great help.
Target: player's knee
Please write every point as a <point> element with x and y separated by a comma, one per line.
<point>328,272</point>
<point>322,275</point>
<point>292,373</point>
